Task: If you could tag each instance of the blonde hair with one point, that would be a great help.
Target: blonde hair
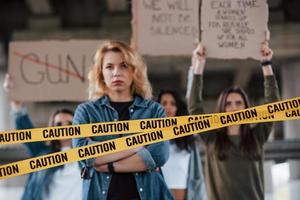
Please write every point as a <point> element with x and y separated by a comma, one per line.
<point>140,86</point>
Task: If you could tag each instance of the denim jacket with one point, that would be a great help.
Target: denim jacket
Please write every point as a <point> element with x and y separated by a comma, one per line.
<point>37,182</point>
<point>150,184</point>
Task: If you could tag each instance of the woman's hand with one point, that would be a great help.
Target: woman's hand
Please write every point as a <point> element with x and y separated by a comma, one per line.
<point>198,59</point>
<point>8,84</point>
<point>266,57</point>
<point>101,168</point>
<point>266,52</point>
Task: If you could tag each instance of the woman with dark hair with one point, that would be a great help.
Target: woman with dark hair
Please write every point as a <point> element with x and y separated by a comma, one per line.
<point>184,160</point>
<point>58,183</point>
<point>234,154</point>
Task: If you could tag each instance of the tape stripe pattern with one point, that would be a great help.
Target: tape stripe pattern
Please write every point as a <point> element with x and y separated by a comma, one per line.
<point>150,131</point>
<point>135,126</point>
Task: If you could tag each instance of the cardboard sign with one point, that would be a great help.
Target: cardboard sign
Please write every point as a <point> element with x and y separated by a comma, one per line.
<point>51,70</point>
<point>165,27</point>
<point>234,28</point>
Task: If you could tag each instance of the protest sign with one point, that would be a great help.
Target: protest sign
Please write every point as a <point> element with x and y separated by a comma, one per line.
<point>234,28</point>
<point>51,70</point>
<point>165,27</point>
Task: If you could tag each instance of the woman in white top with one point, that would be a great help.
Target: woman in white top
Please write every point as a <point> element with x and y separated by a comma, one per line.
<point>183,171</point>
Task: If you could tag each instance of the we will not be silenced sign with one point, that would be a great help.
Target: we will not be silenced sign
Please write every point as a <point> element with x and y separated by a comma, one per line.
<point>165,27</point>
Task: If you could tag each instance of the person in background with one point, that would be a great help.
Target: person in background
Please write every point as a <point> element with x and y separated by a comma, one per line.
<point>121,91</point>
<point>183,171</point>
<point>58,183</point>
<point>234,155</point>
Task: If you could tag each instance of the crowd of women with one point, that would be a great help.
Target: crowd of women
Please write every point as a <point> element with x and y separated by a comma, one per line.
<point>120,90</point>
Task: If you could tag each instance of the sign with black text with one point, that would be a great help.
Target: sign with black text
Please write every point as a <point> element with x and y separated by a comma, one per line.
<point>165,27</point>
<point>234,28</point>
<point>51,70</point>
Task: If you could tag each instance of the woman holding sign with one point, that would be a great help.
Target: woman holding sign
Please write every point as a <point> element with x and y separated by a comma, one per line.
<point>119,82</point>
<point>58,183</point>
<point>234,155</point>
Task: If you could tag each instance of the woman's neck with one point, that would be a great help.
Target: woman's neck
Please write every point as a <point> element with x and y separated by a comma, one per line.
<point>120,96</point>
<point>233,130</point>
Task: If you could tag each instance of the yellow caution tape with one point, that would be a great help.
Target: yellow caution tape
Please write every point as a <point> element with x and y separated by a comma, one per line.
<point>135,126</point>
<point>151,131</point>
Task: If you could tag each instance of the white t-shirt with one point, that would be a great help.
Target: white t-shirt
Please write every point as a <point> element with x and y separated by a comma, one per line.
<point>66,183</point>
<point>176,169</point>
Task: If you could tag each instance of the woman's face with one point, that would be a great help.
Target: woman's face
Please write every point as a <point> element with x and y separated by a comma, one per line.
<point>234,102</point>
<point>63,119</point>
<point>168,102</point>
<point>118,76</point>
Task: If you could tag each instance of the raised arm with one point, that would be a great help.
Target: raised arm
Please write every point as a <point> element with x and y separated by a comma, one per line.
<point>195,86</point>
<point>22,119</point>
<point>271,91</point>
<point>195,81</point>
